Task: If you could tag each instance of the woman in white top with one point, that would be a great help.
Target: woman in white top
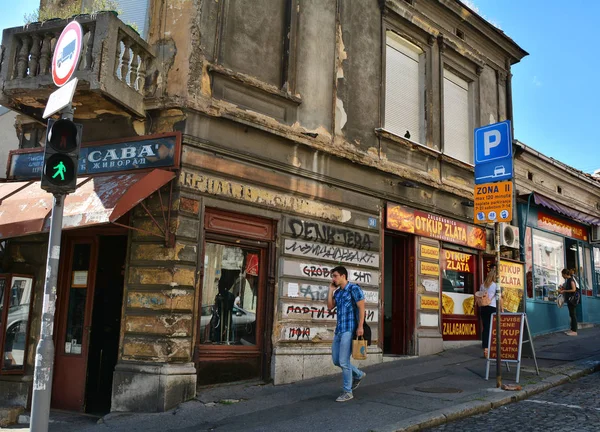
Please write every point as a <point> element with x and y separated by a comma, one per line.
<point>485,312</point>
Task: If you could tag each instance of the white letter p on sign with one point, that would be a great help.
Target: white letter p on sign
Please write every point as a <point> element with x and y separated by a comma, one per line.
<point>491,139</point>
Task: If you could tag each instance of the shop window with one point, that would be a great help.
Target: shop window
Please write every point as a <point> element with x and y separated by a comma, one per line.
<point>548,262</point>
<point>229,295</point>
<point>404,88</point>
<point>458,283</point>
<point>15,309</point>
<point>583,271</point>
<point>597,271</point>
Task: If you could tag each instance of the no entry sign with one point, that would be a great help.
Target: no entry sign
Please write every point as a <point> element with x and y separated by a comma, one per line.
<point>67,53</point>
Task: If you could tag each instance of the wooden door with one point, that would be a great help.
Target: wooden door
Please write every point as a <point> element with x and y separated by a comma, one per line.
<point>233,337</point>
<point>75,296</point>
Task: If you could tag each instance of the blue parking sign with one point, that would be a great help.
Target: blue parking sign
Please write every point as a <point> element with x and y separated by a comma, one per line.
<point>493,153</point>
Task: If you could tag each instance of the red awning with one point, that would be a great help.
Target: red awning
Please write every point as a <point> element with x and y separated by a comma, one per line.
<point>25,208</point>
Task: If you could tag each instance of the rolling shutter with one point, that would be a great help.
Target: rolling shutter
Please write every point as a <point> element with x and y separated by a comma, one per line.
<point>404,105</point>
<point>457,114</point>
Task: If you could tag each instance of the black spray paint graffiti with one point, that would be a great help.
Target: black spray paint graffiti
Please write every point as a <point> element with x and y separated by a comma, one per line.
<point>332,252</point>
<point>360,276</point>
<point>299,333</point>
<point>324,272</point>
<point>316,271</point>
<point>314,292</point>
<point>323,233</point>
<point>322,312</point>
<point>319,293</point>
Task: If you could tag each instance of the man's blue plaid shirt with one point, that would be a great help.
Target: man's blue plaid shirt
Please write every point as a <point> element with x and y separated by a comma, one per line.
<point>347,311</point>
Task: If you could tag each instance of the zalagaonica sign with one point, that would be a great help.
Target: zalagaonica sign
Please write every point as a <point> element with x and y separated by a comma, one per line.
<point>156,151</point>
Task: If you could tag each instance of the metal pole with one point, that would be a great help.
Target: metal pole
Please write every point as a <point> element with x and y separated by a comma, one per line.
<point>498,308</point>
<point>44,354</point>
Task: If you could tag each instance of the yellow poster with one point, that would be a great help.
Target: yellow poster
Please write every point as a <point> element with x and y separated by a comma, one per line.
<point>512,282</point>
<point>431,269</point>
<point>430,252</point>
<point>430,302</point>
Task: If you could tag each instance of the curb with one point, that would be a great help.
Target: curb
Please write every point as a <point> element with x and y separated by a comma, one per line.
<point>468,409</point>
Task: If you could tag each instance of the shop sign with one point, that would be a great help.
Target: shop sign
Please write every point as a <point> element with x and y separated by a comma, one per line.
<point>425,224</point>
<point>512,328</point>
<point>561,226</point>
<point>511,337</point>
<point>459,328</point>
<point>139,153</point>
<point>430,252</point>
<point>512,282</point>
<point>493,202</point>
<point>430,302</point>
<point>432,269</point>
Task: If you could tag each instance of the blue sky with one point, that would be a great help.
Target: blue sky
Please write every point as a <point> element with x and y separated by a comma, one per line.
<point>556,90</point>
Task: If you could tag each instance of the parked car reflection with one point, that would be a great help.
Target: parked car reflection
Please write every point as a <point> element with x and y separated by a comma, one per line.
<point>241,330</point>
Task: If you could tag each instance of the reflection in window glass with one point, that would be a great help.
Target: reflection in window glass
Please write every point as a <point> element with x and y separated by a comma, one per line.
<point>229,295</point>
<point>17,322</point>
<point>584,272</point>
<point>597,270</point>
<point>458,283</point>
<point>548,260</point>
<point>77,300</point>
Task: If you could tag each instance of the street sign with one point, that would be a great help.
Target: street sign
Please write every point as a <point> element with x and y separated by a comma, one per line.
<point>67,53</point>
<point>60,98</point>
<point>493,153</point>
<point>493,202</point>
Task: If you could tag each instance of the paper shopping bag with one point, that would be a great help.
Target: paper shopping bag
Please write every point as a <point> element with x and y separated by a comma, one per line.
<point>359,349</point>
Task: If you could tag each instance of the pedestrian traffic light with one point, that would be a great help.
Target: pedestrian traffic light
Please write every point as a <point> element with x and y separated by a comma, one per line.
<point>61,156</point>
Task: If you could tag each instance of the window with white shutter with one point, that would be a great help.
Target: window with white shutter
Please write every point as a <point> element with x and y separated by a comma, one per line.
<point>404,89</point>
<point>458,126</point>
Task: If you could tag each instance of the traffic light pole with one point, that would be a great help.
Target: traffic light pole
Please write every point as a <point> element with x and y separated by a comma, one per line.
<point>498,308</point>
<point>44,353</point>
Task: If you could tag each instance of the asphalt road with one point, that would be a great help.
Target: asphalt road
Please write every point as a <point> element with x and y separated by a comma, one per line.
<point>570,407</point>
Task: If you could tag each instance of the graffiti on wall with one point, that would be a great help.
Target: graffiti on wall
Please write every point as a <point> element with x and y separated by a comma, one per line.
<point>319,312</point>
<point>329,234</point>
<point>331,252</point>
<point>317,292</point>
<point>269,198</point>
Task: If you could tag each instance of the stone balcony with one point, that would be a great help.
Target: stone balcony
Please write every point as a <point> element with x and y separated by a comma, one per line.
<point>112,71</point>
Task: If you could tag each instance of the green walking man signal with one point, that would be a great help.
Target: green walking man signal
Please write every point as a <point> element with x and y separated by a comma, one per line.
<point>60,170</point>
<point>61,156</point>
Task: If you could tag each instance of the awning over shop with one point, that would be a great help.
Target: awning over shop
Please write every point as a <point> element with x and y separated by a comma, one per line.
<point>565,210</point>
<point>26,209</point>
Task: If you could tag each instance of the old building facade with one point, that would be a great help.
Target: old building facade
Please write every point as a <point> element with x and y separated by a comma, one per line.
<point>295,135</point>
<point>559,214</point>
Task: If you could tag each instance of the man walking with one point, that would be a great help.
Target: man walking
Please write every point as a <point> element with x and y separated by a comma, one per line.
<point>350,302</point>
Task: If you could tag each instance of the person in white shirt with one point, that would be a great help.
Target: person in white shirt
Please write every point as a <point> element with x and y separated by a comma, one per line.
<point>489,307</point>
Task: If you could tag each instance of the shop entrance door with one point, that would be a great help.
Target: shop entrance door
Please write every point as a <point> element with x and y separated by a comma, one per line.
<point>236,302</point>
<point>90,292</point>
<point>398,325</point>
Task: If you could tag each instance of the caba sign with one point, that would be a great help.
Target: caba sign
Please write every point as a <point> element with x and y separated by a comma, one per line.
<point>139,153</point>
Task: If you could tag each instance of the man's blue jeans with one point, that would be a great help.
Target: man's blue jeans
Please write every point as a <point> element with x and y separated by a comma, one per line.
<point>340,353</point>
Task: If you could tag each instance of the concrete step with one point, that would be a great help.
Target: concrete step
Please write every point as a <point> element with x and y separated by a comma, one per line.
<point>10,415</point>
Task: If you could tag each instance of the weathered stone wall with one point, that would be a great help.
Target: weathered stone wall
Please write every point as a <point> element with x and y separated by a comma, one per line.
<point>161,285</point>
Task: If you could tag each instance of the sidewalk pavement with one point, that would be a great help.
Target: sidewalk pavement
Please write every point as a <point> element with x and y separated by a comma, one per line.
<point>402,395</point>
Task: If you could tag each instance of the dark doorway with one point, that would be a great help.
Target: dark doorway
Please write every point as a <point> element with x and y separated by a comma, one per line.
<point>106,323</point>
<point>398,302</point>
